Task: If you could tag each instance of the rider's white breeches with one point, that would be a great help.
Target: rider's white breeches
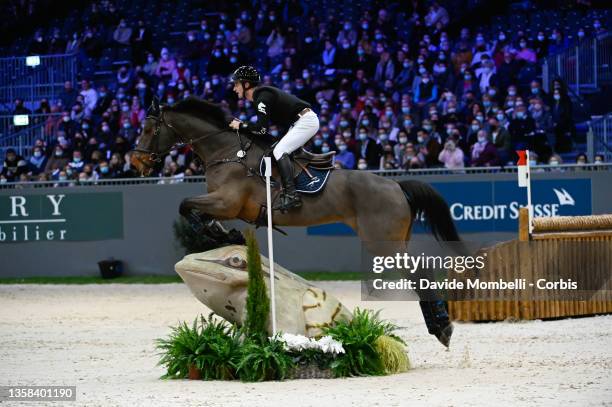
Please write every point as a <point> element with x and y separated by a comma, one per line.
<point>298,135</point>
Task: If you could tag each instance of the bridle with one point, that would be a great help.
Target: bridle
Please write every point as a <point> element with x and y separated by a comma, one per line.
<point>154,154</point>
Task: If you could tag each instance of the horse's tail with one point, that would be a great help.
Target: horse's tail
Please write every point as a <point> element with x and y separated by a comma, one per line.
<point>424,200</point>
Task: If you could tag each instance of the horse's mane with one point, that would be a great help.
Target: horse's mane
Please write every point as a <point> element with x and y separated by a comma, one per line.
<point>201,108</point>
<point>215,114</point>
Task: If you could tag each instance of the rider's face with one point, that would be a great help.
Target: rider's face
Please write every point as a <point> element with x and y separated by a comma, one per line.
<point>239,89</point>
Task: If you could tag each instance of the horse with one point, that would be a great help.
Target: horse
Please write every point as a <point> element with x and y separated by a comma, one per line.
<point>378,209</point>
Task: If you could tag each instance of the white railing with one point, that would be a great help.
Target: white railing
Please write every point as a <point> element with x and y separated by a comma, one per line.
<point>19,79</point>
<point>599,137</point>
<point>583,66</point>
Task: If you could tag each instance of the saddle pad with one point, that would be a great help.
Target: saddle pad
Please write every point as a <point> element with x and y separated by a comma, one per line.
<point>303,182</point>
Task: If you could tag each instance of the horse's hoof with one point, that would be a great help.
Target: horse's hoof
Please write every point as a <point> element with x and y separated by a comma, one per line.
<point>444,336</point>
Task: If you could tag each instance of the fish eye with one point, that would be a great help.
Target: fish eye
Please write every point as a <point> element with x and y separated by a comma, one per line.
<point>236,262</point>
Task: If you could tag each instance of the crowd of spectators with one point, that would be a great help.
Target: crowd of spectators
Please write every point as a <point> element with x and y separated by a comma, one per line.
<point>385,101</point>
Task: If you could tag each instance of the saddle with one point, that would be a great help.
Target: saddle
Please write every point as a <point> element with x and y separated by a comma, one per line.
<point>307,159</point>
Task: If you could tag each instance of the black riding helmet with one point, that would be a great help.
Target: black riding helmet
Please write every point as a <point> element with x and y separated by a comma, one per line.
<point>248,74</point>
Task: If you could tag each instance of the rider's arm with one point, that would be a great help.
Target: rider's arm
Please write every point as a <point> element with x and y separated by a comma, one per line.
<point>262,106</point>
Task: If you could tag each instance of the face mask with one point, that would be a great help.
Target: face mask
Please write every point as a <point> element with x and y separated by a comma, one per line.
<point>346,105</point>
<point>58,153</point>
<point>596,25</point>
<point>502,37</point>
<point>425,80</point>
<point>403,140</point>
<point>120,95</point>
<point>318,142</point>
<point>475,127</point>
<point>181,86</point>
<point>407,123</point>
<point>540,38</point>
<point>450,145</point>
<point>77,159</point>
<point>556,96</point>
<point>308,40</point>
<point>242,117</point>
<point>420,139</point>
<point>383,137</point>
<point>274,133</point>
<point>523,45</point>
<point>389,113</point>
<point>343,123</point>
<point>427,127</point>
<point>406,65</point>
<point>363,136</point>
<point>325,149</point>
<point>285,77</point>
<point>326,135</point>
<point>365,26</point>
<point>125,108</point>
<point>365,122</point>
<point>66,119</point>
<point>170,101</point>
<point>102,94</point>
<point>85,126</point>
<point>510,103</point>
<point>480,118</point>
<point>520,115</point>
<point>533,162</point>
<point>468,77</point>
<point>217,54</point>
<point>126,125</point>
<point>173,153</point>
<point>598,161</point>
<point>534,90</point>
<point>362,166</point>
<point>481,139</point>
<point>500,117</point>
<point>554,162</point>
<point>215,81</point>
<point>342,147</point>
<point>512,92</point>
<point>37,154</point>
<point>233,60</point>
<point>105,128</point>
<point>61,178</point>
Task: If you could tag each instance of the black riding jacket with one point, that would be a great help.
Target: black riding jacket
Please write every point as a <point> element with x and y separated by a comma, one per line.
<point>274,106</point>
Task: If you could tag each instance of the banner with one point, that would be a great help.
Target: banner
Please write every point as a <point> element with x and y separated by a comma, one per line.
<point>493,206</point>
<point>61,217</point>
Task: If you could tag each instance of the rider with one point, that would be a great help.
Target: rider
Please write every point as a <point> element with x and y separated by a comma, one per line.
<point>281,108</point>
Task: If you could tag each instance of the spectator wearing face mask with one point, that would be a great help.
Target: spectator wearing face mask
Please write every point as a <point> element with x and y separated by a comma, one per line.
<point>165,66</point>
<point>57,160</point>
<point>218,64</point>
<point>466,84</point>
<point>368,149</point>
<point>345,157</point>
<point>451,156</point>
<point>541,45</point>
<point>484,153</point>
<point>558,42</point>
<point>500,137</point>
<point>385,69</point>
<point>521,128</point>
<point>426,91</point>
<point>554,161</point>
<point>37,162</point>
<point>428,149</point>
<point>90,97</point>
<point>562,122</point>
<point>524,53</point>
<point>77,162</point>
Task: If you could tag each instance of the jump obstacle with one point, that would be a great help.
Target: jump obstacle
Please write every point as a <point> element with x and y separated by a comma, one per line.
<point>554,254</point>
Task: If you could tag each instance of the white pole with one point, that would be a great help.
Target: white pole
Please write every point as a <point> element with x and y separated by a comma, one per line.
<point>268,174</point>
<point>529,206</point>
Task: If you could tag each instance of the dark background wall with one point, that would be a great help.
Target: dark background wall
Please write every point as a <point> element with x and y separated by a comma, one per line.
<point>148,245</point>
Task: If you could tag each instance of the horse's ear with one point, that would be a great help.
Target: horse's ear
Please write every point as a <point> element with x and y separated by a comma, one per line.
<point>154,109</point>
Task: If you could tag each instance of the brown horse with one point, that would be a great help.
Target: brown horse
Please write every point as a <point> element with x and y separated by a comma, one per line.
<point>378,209</point>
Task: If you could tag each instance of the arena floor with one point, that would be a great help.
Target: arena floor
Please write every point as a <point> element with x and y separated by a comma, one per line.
<point>100,338</point>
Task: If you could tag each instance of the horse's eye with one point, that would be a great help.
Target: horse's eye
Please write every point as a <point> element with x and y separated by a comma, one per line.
<point>236,262</point>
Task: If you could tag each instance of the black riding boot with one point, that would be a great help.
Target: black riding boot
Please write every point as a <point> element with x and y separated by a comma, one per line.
<point>289,198</point>
<point>437,320</point>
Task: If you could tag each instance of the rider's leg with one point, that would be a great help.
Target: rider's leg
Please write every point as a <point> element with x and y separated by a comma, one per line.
<point>302,131</point>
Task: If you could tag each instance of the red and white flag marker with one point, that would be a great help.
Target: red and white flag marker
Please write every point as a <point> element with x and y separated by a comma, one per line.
<point>524,181</point>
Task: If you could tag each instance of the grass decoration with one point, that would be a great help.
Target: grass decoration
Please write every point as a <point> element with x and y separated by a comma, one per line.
<point>210,345</point>
<point>267,360</point>
<point>358,337</point>
<point>392,354</point>
<point>257,303</point>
